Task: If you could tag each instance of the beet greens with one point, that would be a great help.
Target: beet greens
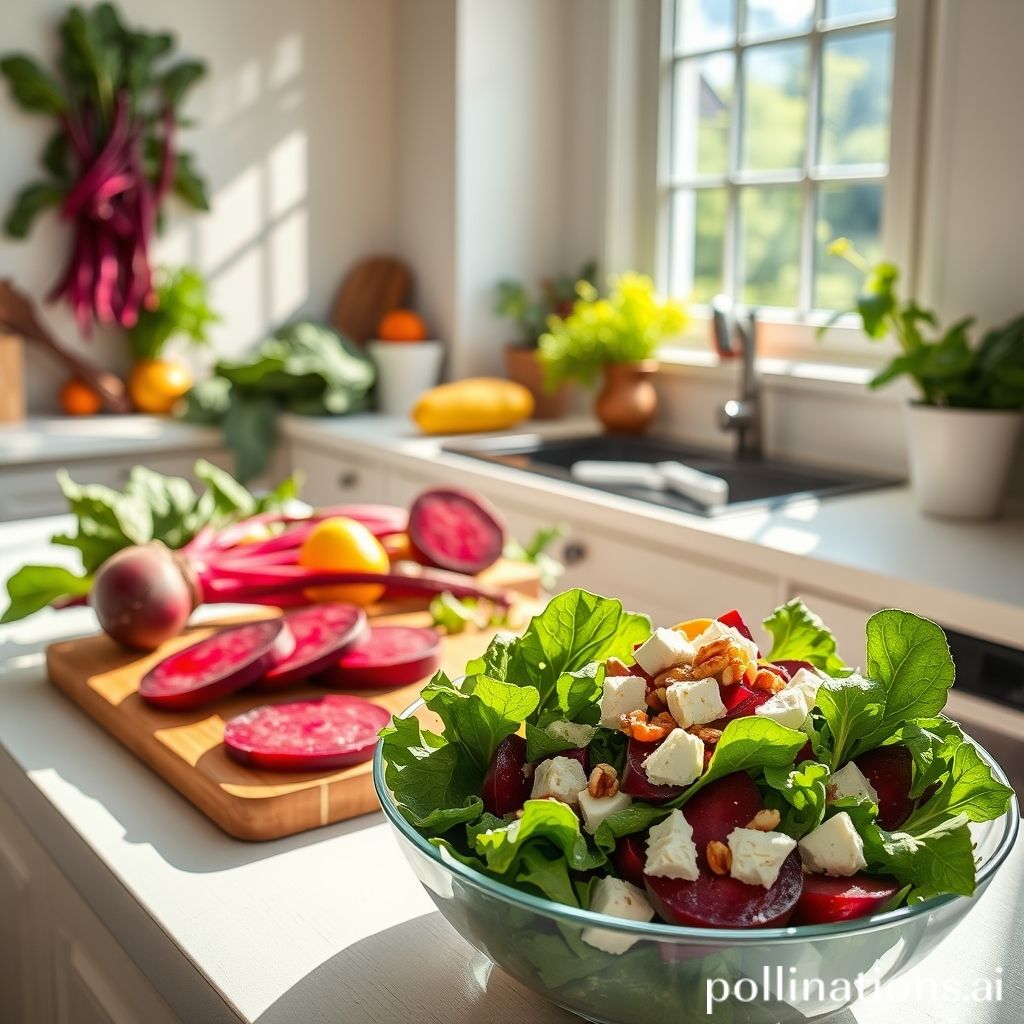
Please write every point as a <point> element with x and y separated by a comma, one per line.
<point>113,159</point>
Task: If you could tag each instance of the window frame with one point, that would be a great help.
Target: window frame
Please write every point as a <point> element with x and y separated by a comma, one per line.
<point>790,333</point>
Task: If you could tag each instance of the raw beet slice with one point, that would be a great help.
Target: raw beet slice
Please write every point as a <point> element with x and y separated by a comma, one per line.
<point>735,620</point>
<point>630,856</point>
<point>719,808</point>
<point>306,735</point>
<point>891,771</point>
<point>387,657</point>
<point>506,784</point>
<point>322,633</point>
<point>721,901</point>
<point>792,667</point>
<point>827,899</point>
<point>741,700</point>
<point>456,530</point>
<point>577,754</point>
<point>221,664</point>
<point>634,778</point>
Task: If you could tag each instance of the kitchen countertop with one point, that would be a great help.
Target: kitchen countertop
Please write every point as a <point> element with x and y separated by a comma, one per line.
<point>56,439</point>
<point>872,547</point>
<point>326,926</point>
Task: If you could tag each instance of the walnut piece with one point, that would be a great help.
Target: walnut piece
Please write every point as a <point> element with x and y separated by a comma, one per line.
<point>719,857</point>
<point>766,820</point>
<point>723,660</point>
<point>768,681</point>
<point>615,667</point>
<point>637,726</point>
<point>706,733</point>
<point>604,781</point>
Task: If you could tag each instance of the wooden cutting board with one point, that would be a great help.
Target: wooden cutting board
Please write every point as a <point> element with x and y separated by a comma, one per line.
<point>185,748</point>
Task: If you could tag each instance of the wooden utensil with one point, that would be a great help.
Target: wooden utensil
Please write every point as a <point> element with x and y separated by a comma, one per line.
<point>18,315</point>
<point>12,378</point>
<point>373,287</point>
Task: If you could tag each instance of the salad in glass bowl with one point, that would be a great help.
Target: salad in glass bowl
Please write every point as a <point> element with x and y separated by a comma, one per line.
<point>596,791</point>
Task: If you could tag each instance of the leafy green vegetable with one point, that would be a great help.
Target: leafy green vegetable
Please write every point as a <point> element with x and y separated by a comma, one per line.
<point>535,552</point>
<point>451,614</point>
<point>798,794</point>
<point>799,635</point>
<point>34,587</point>
<point>181,308</point>
<point>305,368</point>
<point>547,871</point>
<point>970,791</point>
<point>931,742</point>
<point>556,736</point>
<point>853,709</point>
<point>608,747</point>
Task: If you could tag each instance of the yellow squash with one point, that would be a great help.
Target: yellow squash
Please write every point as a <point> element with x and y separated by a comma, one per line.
<point>472,405</point>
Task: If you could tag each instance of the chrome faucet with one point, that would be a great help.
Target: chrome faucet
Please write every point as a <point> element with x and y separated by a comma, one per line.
<point>736,334</point>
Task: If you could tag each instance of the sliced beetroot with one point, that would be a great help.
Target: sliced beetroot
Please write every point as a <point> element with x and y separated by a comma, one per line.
<point>735,620</point>
<point>322,633</point>
<point>721,901</point>
<point>221,664</point>
<point>634,777</point>
<point>792,667</point>
<point>507,784</point>
<point>306,735</point>
<point>805,753</point>
<point>716,810</point>
<point>387,657</point>
<point>741,701</point>
<point>891,771</point>
<point>578,754</point>
<point>826,899</point>
<point>456,530</point>
<point>630,856</point>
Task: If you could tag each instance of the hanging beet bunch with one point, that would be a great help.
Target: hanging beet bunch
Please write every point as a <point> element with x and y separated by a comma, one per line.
<point>112,160</point>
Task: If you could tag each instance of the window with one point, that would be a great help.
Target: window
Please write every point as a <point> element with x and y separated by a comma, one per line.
<point>777,141</point>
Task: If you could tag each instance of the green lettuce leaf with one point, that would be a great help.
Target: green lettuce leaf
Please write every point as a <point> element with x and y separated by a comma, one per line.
<point>932,743</point>
<point>35,586</point>
<point>547,740</point>
<point>853,709</point>
<point>544,869</point>
<point>799,635</point>
<point>798,794</point>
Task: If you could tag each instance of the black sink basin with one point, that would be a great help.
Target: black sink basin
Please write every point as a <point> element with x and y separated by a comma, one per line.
<point>752,483</point>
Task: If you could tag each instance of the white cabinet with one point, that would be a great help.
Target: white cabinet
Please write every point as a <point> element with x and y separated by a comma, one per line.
<point>58,962</point>
<point>329,478</point>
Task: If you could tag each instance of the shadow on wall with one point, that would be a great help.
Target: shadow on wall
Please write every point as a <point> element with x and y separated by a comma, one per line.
<point>294,117</point>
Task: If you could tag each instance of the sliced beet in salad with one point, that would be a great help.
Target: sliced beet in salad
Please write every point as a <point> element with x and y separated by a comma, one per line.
<point>682,773</point>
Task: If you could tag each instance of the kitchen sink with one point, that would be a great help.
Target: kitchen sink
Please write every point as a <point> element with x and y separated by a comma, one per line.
<point>753,483</point>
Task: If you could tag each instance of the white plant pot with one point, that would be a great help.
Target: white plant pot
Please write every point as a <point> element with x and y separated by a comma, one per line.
<point>404,371</point>
<point>960,459</point>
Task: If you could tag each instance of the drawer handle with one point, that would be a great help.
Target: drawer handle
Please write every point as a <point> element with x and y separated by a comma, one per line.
<point>574,552</point>
<point>348,479</point>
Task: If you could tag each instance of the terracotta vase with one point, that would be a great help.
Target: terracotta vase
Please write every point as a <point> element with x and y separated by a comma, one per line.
<point>628,400</point>
<point>523,366</point>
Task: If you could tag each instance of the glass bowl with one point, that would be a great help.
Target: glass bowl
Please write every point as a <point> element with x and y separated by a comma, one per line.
<point>671,973</point>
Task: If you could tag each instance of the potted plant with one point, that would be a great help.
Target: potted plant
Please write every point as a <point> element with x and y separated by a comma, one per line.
<point>616,337</point>
<point>963,427</point>
<point>407,359</point>
<point>178,309</point>
<point>529,312</point>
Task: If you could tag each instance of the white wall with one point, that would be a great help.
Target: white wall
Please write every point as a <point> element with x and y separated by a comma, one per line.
<point>295,136</point>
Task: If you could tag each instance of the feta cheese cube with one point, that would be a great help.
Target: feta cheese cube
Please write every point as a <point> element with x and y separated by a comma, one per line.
<point>678,760</point>
<point>576,733</point>
<point>622,694</point>
<point>717,630</point>
<point>671,851</point>
<point>695,702</point>
<point>757,856</point>
<point>616,898</point>
<point>807,682</point>
<point>850,781</point>
<point>665,649</point>
<point>834,848</point>
<point>596,808</point>
<point>787,707</point>
<point>559,778</point>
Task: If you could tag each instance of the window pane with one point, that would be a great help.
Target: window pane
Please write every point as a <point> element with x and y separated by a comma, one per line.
<point>855,97</point>
<point>850,211</point>
<point>702,109</point>
<point>698,242</point>
<point>775,106</point>
<point>704,24</point>
<point>765,18</point>
<point>858,10</point>
<point>770,245</point>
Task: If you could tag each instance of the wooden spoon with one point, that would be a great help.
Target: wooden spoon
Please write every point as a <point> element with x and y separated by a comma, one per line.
<point>18,315</point>
<point>373,287</point>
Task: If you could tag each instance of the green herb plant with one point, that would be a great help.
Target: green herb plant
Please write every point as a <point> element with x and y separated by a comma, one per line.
<point>530,311</point>
<point>627,326</point>
<point>946,368</point>
<point>180,309</point>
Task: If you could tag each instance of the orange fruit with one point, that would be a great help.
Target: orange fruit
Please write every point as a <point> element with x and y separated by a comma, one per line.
<point>692,628</point>
<point>79,399</point>
<point>401,325</point>
<point>339,544</point>
<point>155,385</point>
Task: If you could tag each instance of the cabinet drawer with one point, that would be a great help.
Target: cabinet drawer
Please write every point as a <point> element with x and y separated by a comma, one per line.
<point>332,479</point>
